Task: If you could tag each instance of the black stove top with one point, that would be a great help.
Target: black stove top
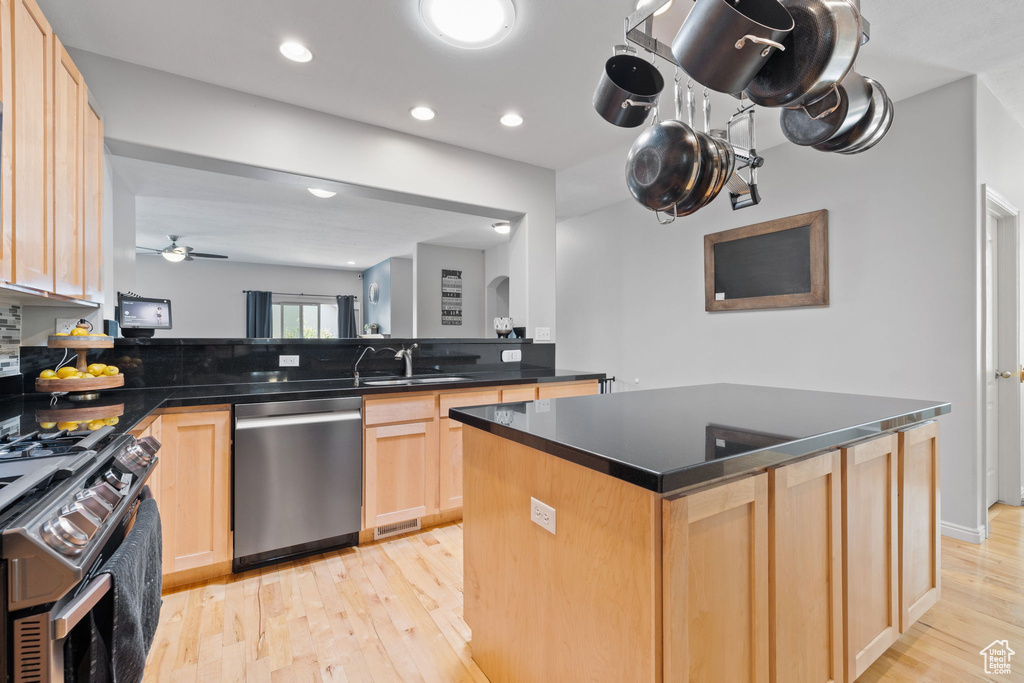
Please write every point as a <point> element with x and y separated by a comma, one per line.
<point>40,444</point>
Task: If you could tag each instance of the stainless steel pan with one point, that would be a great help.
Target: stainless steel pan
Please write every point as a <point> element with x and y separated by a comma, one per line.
<point>869,130</point>
<point>800,128</point>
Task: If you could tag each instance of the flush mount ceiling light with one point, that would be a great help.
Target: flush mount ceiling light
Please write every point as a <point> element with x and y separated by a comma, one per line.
<point>422,113</point>
<point>658,12</point>
<point>297,52</point>
<point>173,256</point>
<point>322,194</point>
<point>502,228</point>
<point>351,263</point>
<point>511,120</point>
<point>469,23</point>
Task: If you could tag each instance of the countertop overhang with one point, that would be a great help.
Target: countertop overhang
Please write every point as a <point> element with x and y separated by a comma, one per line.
<point>668,439</point>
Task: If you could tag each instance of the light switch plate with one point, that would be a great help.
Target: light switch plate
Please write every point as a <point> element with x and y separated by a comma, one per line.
<point>288,361</point>
<point>511,355</point>
<point>542,334</point>
<point>542,514</point>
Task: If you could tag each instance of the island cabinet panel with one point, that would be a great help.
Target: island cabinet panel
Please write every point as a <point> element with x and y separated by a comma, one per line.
<point>919,529</point>
<point>195,493</point>
<point>400,474</point>
<point>580,604</point>
<point>31,118</point>
<point>805,572</point>
<point>587,388</point>
<point>715,601</point>
<point>870,551</point>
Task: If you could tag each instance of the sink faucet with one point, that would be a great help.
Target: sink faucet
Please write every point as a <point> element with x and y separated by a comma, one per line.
<point>406,355</point>
<point>355,366</point>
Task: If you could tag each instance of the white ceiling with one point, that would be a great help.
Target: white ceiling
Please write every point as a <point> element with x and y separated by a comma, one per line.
<point>256,221</point>
<point>374,60</point>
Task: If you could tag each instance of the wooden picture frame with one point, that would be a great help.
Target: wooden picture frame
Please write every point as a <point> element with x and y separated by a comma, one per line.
<point>801,276</point>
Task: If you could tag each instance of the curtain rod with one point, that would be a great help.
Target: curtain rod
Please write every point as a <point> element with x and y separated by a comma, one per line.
<point>246,291</point>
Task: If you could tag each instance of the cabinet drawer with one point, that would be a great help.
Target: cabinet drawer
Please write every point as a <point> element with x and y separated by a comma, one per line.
<point>467,398</point>
<point>399,409</point>
<point>566,390</point>
<point>517,394</point>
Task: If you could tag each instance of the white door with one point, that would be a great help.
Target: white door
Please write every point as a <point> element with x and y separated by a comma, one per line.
<point>991,361</point>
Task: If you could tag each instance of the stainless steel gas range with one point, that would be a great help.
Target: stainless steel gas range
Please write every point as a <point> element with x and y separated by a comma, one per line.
<point>67,500</point>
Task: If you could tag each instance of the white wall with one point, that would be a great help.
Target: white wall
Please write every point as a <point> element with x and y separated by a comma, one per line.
<point>207,297</point>
<point>158,109</point>
<point>403,297</point>
<point>903,252</point>
<point>122,230</point>
<point>428,262</point>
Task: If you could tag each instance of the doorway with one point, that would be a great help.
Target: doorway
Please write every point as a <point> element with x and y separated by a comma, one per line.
<point>1001,461</point>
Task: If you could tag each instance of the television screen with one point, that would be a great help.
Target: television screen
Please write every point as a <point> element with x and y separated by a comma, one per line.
<point>137,312</point>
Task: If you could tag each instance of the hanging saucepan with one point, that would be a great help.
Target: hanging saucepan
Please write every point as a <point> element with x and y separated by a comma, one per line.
<point>722,44</point>
<point>866,132</point>
<point>628,89</point>
<point>800,128</point>
<point>718,160</point>
<point>663,165</point>
<point>819,53</point>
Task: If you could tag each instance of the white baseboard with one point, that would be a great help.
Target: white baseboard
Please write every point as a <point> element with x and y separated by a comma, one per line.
<point>963,533</point>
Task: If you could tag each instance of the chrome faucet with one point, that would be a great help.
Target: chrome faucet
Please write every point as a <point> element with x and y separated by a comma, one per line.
<point>406,355</point>
<point>355,366</point>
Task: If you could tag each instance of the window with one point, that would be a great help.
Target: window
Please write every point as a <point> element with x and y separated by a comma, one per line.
<point>306,320</point>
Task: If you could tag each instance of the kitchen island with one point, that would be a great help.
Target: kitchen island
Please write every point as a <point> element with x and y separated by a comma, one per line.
<point>709,533</point>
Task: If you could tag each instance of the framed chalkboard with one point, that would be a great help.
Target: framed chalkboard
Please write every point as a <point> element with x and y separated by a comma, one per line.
<point>777,264</point>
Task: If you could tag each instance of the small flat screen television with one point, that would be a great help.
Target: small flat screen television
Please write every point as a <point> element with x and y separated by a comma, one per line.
<point>140,313</point>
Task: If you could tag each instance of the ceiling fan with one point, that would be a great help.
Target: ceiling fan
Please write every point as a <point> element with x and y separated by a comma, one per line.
<point>175,252</point>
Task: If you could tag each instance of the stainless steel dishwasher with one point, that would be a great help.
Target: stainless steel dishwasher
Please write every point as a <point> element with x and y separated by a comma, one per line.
<point>298,479</point>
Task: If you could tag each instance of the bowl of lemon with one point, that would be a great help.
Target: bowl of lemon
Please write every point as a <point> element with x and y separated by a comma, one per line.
<point>82,381</point>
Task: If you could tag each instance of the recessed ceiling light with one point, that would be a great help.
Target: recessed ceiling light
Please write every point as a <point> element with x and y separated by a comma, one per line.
<point>322,194</point>
<point>351,263</point>
<point>511,120</point>
<point>297,52</point>
<point>658,12</point>
<point>422,113</point>
<point>469,23</point>
<point>502,228</point>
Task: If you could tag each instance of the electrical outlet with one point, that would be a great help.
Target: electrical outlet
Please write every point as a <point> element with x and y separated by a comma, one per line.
<point>543,405</point>
<point>288,361</point>
<point>511,356</point>
<point>65,324</point>
<point>542,334</point>
<point>542,514</point>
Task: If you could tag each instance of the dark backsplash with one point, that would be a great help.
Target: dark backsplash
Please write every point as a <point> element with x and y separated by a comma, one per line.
<point>192,362</point>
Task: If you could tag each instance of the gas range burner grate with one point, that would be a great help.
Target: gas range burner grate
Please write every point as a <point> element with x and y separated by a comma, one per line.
<point>45,444</point>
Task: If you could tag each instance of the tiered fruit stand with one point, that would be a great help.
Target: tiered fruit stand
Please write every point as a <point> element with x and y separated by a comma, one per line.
<point>80,388</point>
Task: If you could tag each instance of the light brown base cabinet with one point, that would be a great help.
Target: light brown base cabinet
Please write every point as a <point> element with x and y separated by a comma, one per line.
<point>920,530</point>
<point>412,450</point>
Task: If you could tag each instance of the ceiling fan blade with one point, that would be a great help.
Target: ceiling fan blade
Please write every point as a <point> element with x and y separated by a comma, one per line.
<point>155,251</point>
<point>201,255</point>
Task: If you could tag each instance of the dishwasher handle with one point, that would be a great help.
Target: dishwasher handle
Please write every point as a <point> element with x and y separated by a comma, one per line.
<point>296,420</point>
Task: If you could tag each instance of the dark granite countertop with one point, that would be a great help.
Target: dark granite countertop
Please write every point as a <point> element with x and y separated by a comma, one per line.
<point>667,439</point>
<point>137,404</point>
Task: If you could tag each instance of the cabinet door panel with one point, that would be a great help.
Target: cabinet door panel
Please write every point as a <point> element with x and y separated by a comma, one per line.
<point>451,464</point>
<point>805,570</point>
<point>401,473</point>
<point>32,116</point>
<point>68,145</point>
<point>92,204</point>
<point>870,520</point>
<point>920,544</point>
<point>6,223</point>
<point>566,390</point>
<point>715,583</point>
<point>196,489</point>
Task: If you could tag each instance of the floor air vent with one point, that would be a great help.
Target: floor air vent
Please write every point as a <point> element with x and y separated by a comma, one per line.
<point>395,529</point>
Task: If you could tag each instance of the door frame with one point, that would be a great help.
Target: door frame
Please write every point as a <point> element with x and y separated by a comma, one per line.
<point>1011,445</point>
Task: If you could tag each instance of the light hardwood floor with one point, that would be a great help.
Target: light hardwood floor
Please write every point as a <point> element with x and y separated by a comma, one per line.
<point>392,611</point>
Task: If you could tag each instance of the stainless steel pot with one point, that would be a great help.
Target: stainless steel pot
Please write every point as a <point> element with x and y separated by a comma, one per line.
<point>722,44</point>
<point>869,130</point>
<point>854,95</point>
<point>663,165</point>
<point>629,88</point>
<point>819,53</point>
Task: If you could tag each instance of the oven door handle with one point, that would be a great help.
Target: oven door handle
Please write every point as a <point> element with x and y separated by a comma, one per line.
<point>76,610</point>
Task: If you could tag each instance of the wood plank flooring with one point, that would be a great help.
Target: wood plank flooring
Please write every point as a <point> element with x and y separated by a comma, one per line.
<point>392,611</point>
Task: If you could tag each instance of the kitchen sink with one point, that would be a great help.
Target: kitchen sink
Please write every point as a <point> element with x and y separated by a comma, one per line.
<point>408,381</point>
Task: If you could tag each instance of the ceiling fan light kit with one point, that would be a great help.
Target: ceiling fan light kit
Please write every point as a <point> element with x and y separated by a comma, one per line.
<point>176,253</point>
<point>797,55</point>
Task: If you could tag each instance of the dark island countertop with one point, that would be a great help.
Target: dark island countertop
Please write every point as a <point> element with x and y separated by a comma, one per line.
<point>667,439</point>
<point>31,409</point>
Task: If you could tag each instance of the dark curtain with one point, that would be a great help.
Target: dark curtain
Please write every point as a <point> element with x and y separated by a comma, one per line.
<point>347,317</point>
<point>259,315</point>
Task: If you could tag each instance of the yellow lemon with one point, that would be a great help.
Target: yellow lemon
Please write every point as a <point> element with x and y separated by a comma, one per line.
<point>47,374</point>
<point>61,334</point>
<point>96,369</point>
<point>96,424</point>
<point>67,425</point>
<point>47,425</point>
<point>87,375</point>
<point>79,332</point>
<point>110,371</point>
<point>111,420</point>
<point>67,371</point>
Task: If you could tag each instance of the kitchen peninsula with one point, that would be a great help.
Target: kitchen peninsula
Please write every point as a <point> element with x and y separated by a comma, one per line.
<point>716,533</point>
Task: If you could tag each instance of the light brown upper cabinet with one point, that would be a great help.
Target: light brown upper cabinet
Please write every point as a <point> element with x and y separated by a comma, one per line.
<point>92,203</point>
<point>31,118</point>
<point>6,226</point>
<point>870,551</point>
<point>69,104</point>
